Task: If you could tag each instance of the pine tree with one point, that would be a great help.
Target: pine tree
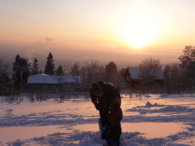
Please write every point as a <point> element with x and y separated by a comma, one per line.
<point>16,75</point>
<point>60,71</point>
<point>21,69</point>
<point>3,66</point>
<point>5,81</point>
<point>50,66</point>
<point>35,67</point>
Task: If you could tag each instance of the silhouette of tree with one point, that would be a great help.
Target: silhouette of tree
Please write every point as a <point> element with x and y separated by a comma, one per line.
<point>35,67</point>
<point>187,65</point>
<point>122,72</point>
<point>172,75</point>
<point>5,81</point>
<point>3,66</point>
<point>21,69</point>
<point>60,71</point>
<point>149,69</point>
<point>110,71</point>
<point>74,70</point>
<point>50,66</point>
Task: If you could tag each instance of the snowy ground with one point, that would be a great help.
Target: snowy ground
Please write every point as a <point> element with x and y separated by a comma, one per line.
<point>153,120</point>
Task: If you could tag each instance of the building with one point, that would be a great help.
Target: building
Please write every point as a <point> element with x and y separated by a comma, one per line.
<point>131,77</point>
<point>44,82</point>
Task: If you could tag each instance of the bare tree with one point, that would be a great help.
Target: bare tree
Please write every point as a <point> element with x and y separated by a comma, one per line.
<point>187,65</point>
<point>121,82</point>
<point>60,79</point>
<point>92,69</point>
<point>111,71</point>
<point>188,56</point>
<point>100,73</point>
<point>172,75</point>
<point>83,74</point>
<point>149,69</point>
<point>74,70</point>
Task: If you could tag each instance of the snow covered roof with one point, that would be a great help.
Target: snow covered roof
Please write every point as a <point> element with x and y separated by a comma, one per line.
<point>134,72</point>
<point>47,79</point>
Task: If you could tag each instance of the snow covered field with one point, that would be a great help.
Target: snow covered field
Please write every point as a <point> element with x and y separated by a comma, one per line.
<point>153,120</point>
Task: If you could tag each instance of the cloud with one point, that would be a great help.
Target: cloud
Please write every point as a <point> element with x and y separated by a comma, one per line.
<point>39,44</point>
<point>48,39</point>
<point>44,42</point>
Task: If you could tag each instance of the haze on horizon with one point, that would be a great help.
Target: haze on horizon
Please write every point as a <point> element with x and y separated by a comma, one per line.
<point>109,30</point>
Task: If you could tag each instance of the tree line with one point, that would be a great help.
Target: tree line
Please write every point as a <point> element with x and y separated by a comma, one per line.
<point>22,69</point>
<point>181,75</point>
<point>178,76</point>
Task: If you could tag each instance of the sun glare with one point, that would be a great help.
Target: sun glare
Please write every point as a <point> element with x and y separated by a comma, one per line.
<point>139,32</point>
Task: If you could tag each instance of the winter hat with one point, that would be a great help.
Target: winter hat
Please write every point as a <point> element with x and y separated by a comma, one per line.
<point>96,88</point>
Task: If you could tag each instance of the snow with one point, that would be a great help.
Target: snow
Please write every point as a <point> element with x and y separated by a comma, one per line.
<point>159,120</point>
<point>47,79</point>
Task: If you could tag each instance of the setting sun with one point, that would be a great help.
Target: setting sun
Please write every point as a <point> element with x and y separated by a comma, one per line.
<point>139,32</point>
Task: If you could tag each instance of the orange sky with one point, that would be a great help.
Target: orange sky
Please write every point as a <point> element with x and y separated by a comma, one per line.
<point>100,30</point>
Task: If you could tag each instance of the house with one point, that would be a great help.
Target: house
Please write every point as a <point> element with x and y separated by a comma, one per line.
<point>132,78</point>
<point>42,82</point>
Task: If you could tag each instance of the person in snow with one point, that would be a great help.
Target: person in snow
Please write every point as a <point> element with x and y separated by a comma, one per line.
<point>106,99</point>
<point>114,125</point>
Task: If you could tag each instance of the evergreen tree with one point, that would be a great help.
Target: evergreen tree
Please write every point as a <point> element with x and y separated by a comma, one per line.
<point>21,69</point>
<point>16,75</point>
<point>35,67</point>
<point>60,71</point>
<point>3,66</point>
<point>50,66</point>
<point>5,81</point>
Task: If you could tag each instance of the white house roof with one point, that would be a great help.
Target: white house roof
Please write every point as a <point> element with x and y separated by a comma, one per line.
<point>134,72</point>
<point>47,79</point>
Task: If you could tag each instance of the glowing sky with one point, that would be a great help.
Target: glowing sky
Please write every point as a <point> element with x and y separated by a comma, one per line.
<point>98,29</point>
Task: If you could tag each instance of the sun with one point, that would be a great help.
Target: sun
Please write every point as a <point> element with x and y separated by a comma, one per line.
<point>139,32</point>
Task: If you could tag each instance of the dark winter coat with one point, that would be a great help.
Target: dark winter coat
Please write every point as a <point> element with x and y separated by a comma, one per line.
<point>115,111</point>
<point>109,93</point>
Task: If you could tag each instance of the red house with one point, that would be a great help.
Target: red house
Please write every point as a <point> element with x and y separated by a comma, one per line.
<point>132,78</point>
